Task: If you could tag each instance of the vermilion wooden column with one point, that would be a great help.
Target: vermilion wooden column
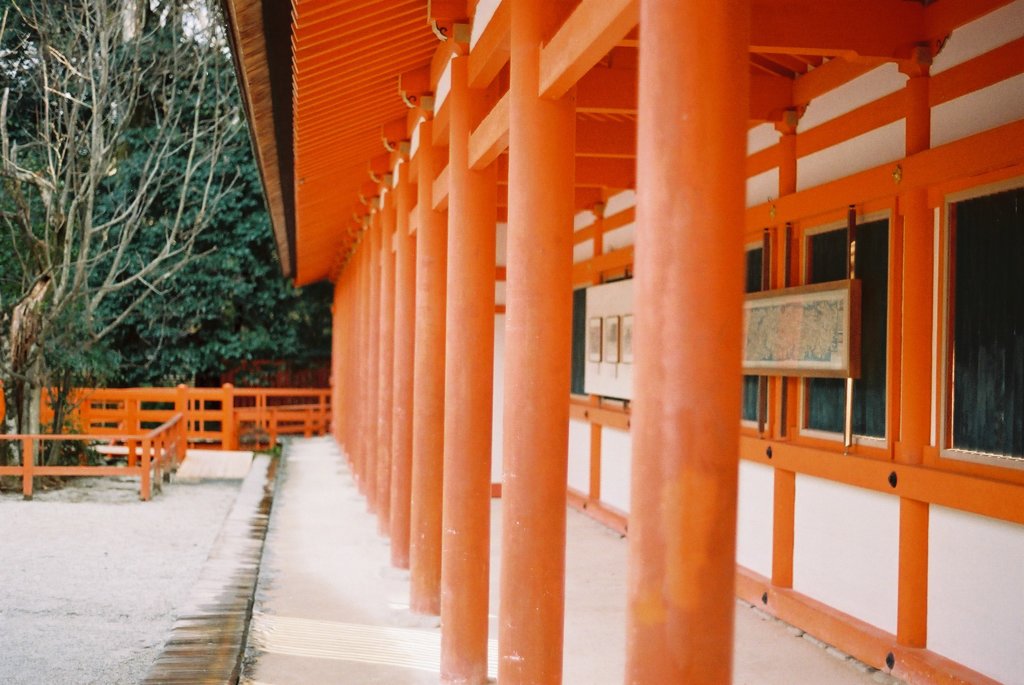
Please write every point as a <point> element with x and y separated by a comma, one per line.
<point>401,428</point>
<point>916,369</point>
<point>428,387</point>
<point>363,413</point>
<point>692,123</point>
<point>373,363</point>
<point>469,385</point>
<point>386,363</point>
<point>784,512</point>
<point>537,358</point>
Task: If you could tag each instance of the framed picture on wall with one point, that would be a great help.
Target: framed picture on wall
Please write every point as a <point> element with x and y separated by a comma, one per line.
<point>627,339</point>
<point>611,339</point>
<point>594,330</point>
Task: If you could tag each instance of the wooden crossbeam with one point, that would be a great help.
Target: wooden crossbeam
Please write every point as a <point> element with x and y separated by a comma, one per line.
<point>590,32</point>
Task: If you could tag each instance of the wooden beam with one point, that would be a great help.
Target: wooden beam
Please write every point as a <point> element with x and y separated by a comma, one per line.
<point>607,91</point>
<point>491,51</point>
<point>440,190</point>
<point>490,138</point>
<point>590,32</point>
<point>605,138</point>
<point>866,28</point>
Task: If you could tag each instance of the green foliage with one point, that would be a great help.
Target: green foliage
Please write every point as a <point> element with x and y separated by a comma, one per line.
<point>228,306</point>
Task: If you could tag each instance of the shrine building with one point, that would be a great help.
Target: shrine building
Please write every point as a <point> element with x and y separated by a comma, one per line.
<point>742,280</point>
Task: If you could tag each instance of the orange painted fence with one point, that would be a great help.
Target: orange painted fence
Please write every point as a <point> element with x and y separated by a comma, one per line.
<point>223,418</point>
<point>151,456</point>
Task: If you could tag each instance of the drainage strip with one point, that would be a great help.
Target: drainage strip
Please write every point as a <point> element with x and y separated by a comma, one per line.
<point>206,642</point>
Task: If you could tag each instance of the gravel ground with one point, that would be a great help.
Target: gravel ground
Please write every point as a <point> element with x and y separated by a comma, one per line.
<point>90,576</point>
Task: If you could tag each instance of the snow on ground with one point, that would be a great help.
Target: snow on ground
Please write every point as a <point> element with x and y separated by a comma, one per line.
<point>90,576</point>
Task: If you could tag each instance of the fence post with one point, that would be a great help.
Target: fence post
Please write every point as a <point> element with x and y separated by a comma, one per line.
<point>181,407</point>
<point>133,455</point>
<point>134,424</point>
<point>322,418</point>
<point>227,424</point>
<point>182,441</point>
<point>145,485</point>
<point>27,467</point>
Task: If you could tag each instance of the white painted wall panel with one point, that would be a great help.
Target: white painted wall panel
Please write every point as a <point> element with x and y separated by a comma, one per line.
<point>444,86</point>
<point>981,35</point>
<point>579,456</point>
<point>620,201</point>
<point>581,220</point>
<point>499,292</point>
<point>884,144</point>
<point>616,452</point>
<point>866,88</point>
<point>485,10</point>
<point>621,237</point>
<point>755,516</point>
<point>501,243</point>
<point>581,252</point>
<point>761,137</point>
<point>981,110</point>
<point>763,187</point>
<point>846,549</point>
<point>498,425</point>
<point>976,593</point>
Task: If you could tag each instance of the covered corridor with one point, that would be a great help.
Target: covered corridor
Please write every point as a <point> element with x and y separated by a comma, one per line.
<point>310,628</point>
<point>740,278</point>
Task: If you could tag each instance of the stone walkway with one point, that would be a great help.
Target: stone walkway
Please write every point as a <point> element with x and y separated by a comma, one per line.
<point>330,608</point>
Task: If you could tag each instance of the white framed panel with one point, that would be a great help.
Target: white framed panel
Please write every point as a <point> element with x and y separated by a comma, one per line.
<point>998,104</point>
<point>579,456</point>
<point>975,592</point>
<point>763,187</point>
<point>755,517</point>
<point>616,456</point>
<point>846,549</point>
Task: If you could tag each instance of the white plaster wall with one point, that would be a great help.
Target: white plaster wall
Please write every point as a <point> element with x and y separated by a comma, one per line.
<point>763,187</point>
<point>761,137</point>
<point>619,202</point>
<point>755,516</point>
<point>981,35</point>
<point>616,452</point>
<point>581,220</point>
<point>444,86</point>
<point>500,243</point>
<point>609,380</point>
<point>499,292</point>
<point>498,425</point>
<point>846,549</point>
<point>981,110</point>
<point>581,252</point>
<point>866,88</point>
<point>485,10</point>
<point>621,237</point>
<point>976,593</point>
<point>579,456</point>
<point>884,144</point>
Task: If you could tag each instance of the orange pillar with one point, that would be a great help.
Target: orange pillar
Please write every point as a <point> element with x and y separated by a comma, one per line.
<point>691,141</point>
<point>784,514</point>
<point>401,426</point>
<point>386,358</point>
<point>372,361</point>
<point>469,375</point>
<point>428,386</point>
<point>916,369</point>
<point>537,356</point>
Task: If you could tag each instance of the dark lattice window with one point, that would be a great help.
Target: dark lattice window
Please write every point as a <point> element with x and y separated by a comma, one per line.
<point>988,324</point>
<point>827,396</point>
<point>753,285</point>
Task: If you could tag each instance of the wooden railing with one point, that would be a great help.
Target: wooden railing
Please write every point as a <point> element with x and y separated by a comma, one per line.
<point>216,418</point>
<point>151,456</point>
